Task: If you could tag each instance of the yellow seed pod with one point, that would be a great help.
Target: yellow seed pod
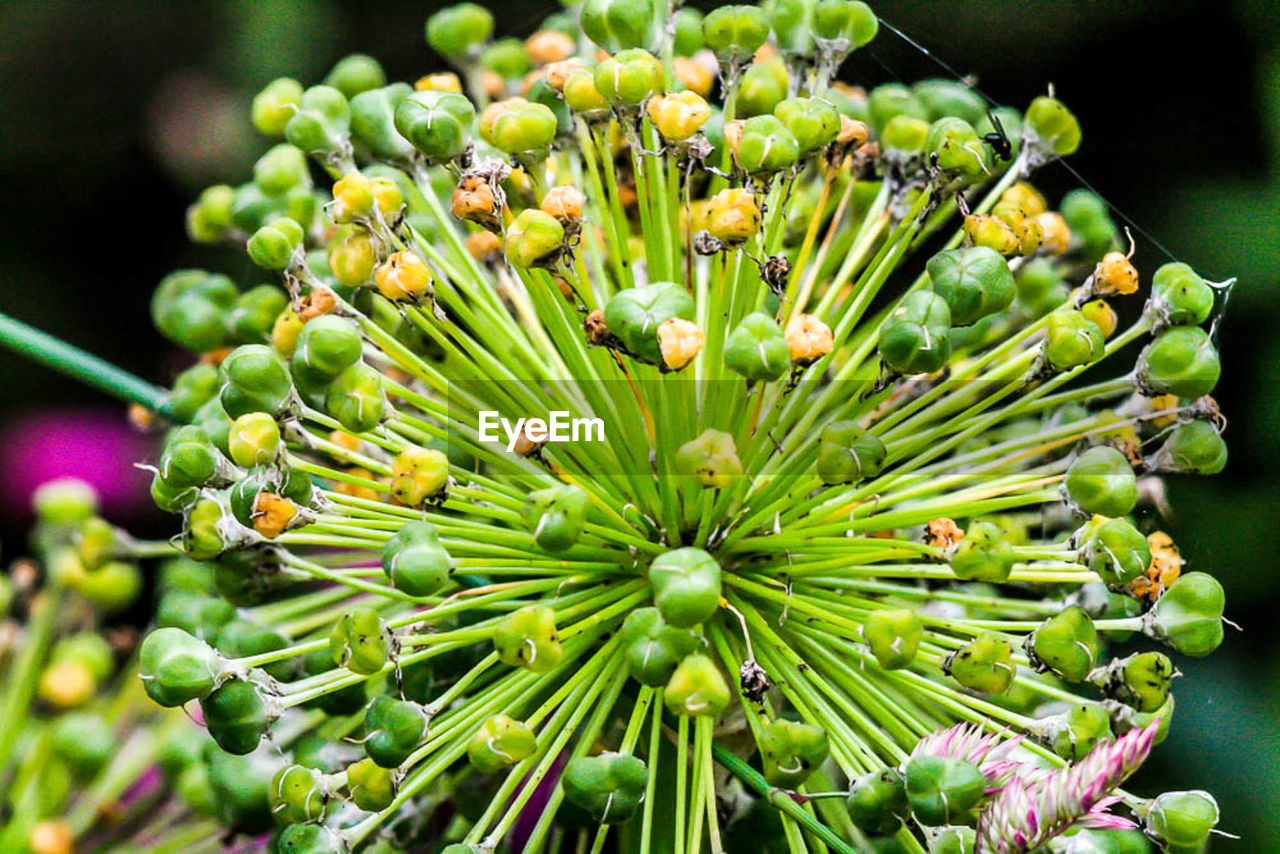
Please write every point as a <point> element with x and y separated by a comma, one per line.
<point>943,533</point>
<point>733,216</point>
<point>368,493</point>
<point>809,339</point>
<point>1115,274</point>
<point>853,133</point>
<point>1029,233</point>
<point>352,258</point>
<point>474,201</point>
<point>765,53</point>
<point>442,81</point>
<point>386,195</point>
<point>285,332</point>
<point>547,46</point>
<point>680,342</point>
<point>581,94</point>
<point>272,514</point>
<point>693,217</point>
<point>733,135</point>
<point>695,75</point>
<point>986,230</point>
<point>565,203</point>
<point>483,245</point>
<point>678,115</point>
<point>1025,197</point>
<point>418,474</point>
<point>1101,313</point>
<point>1057,234</point>
<point>558,72</point>
<point>403,276</point>
<point>52,837</point>
<point>67,684</point>
<point>493,84</point>
<point>352,198</point>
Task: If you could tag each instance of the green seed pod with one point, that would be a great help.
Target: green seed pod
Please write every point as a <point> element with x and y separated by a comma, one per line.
<point>392,729</point>
<point>629,77</point>
<point>288,483</point>
<point>372,788</point>
<point>112,587</point>
<point>915,338</point>
<point>281,169</point>
<point>618,24</point>
<point>814,123</point>
<point>847,453</point>
<point>176,667</point>
<point>193,612</point>
<point>358,641</point>
<point>760,90</point>
<point>525,130</point>
<point>791,21</point>
<point>942,790</point>
<point>582,96</point>
<point>505,57</point>
<point>791,751</point>
<point>757,349</point>
<point>1188,616</point>
<point>735,33</point>
<point>254,379</point>
<point>190,459</point>
<point>356,73</point>
<point>848,24</point>
<point>535,239</point>
<point>555,516</point>
<point>327,346</point>
<point>255,314</point>
<point>1074,734</point>
<point>1117,551</point>
<point>190,308</point>
<point>1181,361</point>
<point>712,458</point>
<point>975,282</point>
<point>1141,681</point>
<point>688,39</point>
<point>415,561</point>
<point>766,146</point>
<point>438,124</point>
<point>985,554</point>
<point>1182,821</point>
<point>1194,447</point>
<point>311,839</point>
<point>686,586</point>
<point>696,688</point>
<point>254,440</point>
<point>890,100</point>
<point>321,124</point>
<point>1072,340</point>
<point>209,218</point>
<point>373,122</point>
<point>88,649</point>
<point>298,794</point>
<point>1052,126</point>
<point>1066,643</point>
<point>499,743</point>
<point>236,716</point>
<point>984,665</point>
<point>83,740</point>
<point>942,97</point>
<point>905,134</point>
<point>1179,297</point>
<point>957,150</point>
<point>894,636</point>
<point>1101,482</point>
<point>528,638</point>
<point>634,315</point>
<point>204,534</point>
<point>241,786</point>
<point>878,802</point>
<point>610,786</point>
<point>653,648</point>
<point>1090,222</point>
<point>275,104</point>
<point>192,389</point>
<point>278,245</point>
<point>458,31</point>
<point>356,398</point>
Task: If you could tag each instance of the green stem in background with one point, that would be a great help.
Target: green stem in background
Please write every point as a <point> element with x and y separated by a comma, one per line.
<point>26,340</point>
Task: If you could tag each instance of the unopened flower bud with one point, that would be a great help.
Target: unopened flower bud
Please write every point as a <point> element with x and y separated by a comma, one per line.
<point>555,516</point>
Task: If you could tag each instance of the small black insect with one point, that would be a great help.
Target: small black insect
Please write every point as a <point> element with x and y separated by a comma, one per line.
<point>998,139</point>
<point>755,682</point>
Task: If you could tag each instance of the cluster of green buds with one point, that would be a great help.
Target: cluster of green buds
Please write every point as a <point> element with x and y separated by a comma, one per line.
<point>85,760</point>
<point>841,494</point>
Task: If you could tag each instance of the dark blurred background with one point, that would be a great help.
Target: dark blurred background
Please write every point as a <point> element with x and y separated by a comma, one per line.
<point>112,115</point>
